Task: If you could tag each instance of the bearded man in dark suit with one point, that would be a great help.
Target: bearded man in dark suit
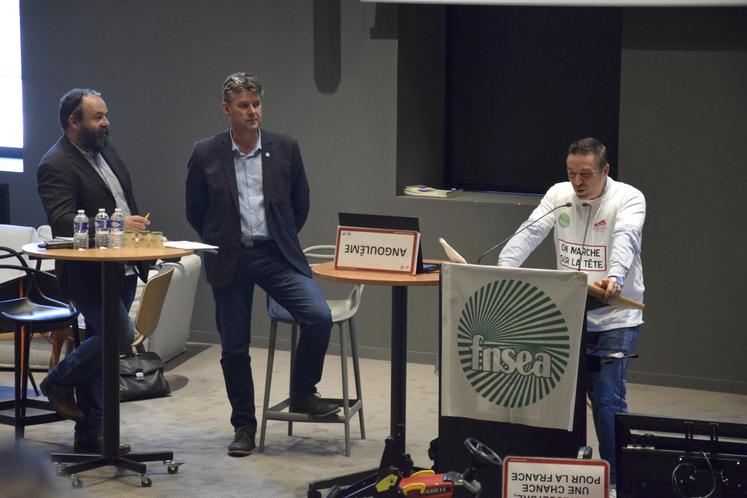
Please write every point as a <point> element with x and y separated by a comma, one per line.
<point>247,193</point>
<point>83,171</point>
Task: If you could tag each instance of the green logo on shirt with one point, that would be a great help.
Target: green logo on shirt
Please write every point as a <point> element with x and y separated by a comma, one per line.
<point>513,343</point>
<point>564,220</point>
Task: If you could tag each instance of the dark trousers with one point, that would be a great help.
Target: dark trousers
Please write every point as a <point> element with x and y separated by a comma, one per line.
<point>82,368</point>
<point>267,267</point>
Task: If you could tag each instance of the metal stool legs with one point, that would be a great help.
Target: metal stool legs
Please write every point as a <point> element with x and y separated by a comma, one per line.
<point>349,407</point>
<point>268,381</point>
<point>294,344</point>
<point>356,373</point>
<point>345,393</point>
<point>20,402</point>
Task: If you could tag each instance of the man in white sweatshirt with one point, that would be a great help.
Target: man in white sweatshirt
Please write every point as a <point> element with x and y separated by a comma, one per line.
<point>599,234</point>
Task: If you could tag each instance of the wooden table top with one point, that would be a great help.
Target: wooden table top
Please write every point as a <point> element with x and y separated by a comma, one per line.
<point>124,254</point>
<point>327,271</point>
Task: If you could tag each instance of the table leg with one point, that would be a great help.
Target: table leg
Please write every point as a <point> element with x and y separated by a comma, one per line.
<point>399,360</point>
<point>363,483</point>
<point>110,289</point>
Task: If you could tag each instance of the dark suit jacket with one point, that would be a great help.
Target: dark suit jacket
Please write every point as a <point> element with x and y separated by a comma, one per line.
<point>67,182</point>
<point>213,201</point>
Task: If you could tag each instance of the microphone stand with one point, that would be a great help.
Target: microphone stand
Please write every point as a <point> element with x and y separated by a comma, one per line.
<point>499,244</point>
<point>586,230</point>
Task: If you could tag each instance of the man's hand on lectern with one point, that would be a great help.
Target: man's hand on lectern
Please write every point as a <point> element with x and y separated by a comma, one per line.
<point>611,289</point>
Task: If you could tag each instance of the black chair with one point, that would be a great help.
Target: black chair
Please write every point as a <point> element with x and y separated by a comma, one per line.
<point>34,311</point>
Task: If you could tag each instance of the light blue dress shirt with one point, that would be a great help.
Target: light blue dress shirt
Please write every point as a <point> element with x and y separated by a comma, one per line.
<point>251,197</point>
<point>97,162</point>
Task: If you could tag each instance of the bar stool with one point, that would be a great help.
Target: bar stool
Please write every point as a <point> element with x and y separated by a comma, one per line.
<point>34,312</point>
<point>343,311</point>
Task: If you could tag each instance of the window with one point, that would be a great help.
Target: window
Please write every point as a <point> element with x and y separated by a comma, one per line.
<point>489,97</point>
<point>11,106</point>
<point>521,85</point>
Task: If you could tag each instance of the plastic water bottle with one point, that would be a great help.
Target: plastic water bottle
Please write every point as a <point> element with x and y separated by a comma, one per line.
<point>80,231</point>
<point>101,222</point>
<point>116,231</point>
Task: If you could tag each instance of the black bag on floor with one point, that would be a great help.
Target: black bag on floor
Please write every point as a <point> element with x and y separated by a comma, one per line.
<point>141,377</point>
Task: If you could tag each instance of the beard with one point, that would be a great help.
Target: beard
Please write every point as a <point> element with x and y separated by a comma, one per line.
<point>95,140</point>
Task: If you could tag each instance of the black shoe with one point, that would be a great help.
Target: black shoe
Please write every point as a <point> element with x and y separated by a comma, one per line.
<point>243,442</point>
<point>314,405</point>
<point>96,445</point>
<point>62,399</point>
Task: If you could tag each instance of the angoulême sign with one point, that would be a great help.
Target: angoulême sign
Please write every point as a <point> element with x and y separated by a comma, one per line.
<point>377,249</point>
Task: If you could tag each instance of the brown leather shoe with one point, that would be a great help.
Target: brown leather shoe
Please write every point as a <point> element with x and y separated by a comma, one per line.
<point>62,399</point>
<point>96,445</point>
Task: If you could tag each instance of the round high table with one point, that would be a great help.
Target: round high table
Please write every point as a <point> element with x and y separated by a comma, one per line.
<point>399,283</point>
<point>110,261</point>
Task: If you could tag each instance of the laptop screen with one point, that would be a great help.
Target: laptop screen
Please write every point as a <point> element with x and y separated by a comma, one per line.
<point>386,222</point>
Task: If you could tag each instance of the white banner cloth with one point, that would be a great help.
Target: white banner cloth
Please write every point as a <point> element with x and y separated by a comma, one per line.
<point>510,345</point>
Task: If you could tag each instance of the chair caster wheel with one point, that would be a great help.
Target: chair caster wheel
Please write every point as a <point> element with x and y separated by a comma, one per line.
<point>145,481</point>
<point>75,481</point>
<point>173,468</point>
<point>58,468</point>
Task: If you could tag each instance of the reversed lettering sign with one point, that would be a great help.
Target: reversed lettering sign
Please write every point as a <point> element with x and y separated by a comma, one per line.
<point>555,477</point>
<point>377,249</point>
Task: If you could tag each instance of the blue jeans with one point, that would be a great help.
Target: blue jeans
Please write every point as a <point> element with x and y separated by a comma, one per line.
<point>606,388</point>
<point>267,267</point>
<point>82,367</point>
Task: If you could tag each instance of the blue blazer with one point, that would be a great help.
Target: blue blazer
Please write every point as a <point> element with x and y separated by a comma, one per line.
<point>212,201</point>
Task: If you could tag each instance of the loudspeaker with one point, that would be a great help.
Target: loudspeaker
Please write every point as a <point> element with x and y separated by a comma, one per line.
<point>4,204</point>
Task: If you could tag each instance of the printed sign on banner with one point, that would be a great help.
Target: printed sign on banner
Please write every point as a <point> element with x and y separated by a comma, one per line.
<point>511,340</point>
<point>555,477</point>
<point>376,249</point>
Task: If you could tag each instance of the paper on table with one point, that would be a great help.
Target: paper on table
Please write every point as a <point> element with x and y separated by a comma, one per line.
<point>186,244</point>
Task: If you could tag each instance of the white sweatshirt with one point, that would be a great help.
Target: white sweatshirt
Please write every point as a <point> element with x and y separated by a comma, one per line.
<point>611,246</point>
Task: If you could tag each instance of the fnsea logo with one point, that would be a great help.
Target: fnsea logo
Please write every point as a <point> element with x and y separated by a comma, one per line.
<point>513,343</point>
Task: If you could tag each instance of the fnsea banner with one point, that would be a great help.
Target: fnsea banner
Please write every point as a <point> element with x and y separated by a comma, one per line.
<point>510,345</point>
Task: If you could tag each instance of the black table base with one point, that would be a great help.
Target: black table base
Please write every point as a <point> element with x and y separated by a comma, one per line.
<point>80,462</point>
<point>111,289</point>
<point>398,392</point>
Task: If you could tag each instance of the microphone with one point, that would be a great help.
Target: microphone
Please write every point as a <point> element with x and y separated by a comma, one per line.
<point>499,244</point>
<point>586,230</point>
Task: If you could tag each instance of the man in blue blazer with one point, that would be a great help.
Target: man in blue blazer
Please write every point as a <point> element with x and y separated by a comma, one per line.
<point>247,193</point>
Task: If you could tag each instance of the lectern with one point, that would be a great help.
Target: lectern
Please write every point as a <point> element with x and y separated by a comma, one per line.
<point>503,291</point>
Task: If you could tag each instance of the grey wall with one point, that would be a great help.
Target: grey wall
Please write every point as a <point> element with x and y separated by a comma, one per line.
<point>160,66</point>
<point>683,141</point>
